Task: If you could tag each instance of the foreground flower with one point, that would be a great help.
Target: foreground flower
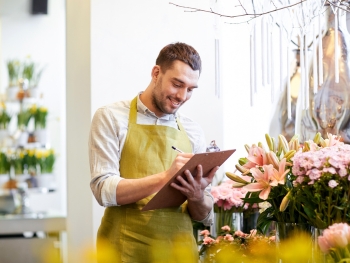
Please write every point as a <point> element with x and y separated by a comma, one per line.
<point>335,241</point>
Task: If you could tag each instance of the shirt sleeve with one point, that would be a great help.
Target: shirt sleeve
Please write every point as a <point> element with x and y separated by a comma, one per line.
<point>104,156</point>
<point>209,219</point>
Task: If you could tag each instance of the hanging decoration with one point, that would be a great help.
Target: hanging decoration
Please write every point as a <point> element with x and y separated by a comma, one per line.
<point>323,99</point>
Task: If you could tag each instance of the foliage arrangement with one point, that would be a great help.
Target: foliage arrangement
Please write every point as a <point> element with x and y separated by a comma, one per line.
<point>4,163</point>
<point>31,72</point>
<point>267,176</point>
<point>23,118</point>
<point>13,69</point>
<point>32,161</point>
<point>322,183</point>
<point>40,116</point>
<point>296,183</point>
<point>46,160</point>
<point>236,246</point>
<point>26,70</point>
<point>5,118</point>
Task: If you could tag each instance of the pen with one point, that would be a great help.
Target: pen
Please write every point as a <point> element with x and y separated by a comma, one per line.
<point>176,149</point>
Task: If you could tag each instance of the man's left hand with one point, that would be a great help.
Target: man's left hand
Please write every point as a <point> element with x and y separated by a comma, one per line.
<point>193,186</point>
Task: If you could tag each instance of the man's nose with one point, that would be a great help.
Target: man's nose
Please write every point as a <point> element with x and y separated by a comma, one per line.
<point>182,94</point>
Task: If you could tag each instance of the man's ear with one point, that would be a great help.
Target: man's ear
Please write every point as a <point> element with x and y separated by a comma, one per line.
<point>155,72</point>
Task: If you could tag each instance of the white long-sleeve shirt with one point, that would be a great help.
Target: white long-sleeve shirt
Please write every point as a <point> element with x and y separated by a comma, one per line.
<point>106,141</point>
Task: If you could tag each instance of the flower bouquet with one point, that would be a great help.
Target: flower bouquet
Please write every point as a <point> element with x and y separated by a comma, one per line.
<point>236,246</point>
<point>335,243</point>
<point>322,183</point>
<point>267,177</point>
<point>227,201</point>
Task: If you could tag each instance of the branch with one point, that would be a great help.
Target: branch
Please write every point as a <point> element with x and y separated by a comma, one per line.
<point>194,9</point>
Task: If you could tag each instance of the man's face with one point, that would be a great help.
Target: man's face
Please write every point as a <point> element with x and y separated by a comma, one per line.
<point>173,88</point>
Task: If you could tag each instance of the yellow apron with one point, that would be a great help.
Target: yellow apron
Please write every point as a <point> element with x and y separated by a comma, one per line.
<point>163,235</point>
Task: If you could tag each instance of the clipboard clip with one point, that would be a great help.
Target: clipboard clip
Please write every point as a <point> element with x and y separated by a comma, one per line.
<point>212,147</point>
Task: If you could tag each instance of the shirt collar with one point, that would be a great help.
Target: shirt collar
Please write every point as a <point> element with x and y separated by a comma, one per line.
<point>143,109</point>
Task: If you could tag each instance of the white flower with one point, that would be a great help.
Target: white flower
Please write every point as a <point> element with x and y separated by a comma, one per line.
<point>332,183</point>
<point>263,206</point>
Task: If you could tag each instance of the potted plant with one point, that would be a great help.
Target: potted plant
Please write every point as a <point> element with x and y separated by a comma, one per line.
<point>31,73</point>
<point>23,119</point>
<point>40,120</point>
<point>13,69</point>
<point>5,119</point>
<point>4,169</point>
<point>18,165</point>
<point>45,159</point>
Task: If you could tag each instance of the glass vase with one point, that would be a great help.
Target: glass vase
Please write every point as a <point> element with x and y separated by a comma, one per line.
<point>297,234</point>
<point>289,230</point>
<point>317,255</point>
<point>250,219</point>
<point>227,218</point>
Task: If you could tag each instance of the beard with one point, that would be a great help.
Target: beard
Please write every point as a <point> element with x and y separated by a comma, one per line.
<point>160,100</point>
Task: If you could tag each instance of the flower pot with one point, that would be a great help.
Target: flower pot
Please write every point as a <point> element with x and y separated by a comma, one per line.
<point>3,180</point>
<point>21,177</point>
<point>3,135</point>
<point>23,139</point>
<point>11,93</point>
<point>34,92</point>
<point>46,180</point>
<point>41,136</point>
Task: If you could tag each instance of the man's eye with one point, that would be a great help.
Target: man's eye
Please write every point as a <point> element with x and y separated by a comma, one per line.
<point>177,85</point>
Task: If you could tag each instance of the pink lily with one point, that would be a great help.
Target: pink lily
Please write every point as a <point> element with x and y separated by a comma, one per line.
<point>256,157</point>
<point>264,181</point>
<point>281,173</point>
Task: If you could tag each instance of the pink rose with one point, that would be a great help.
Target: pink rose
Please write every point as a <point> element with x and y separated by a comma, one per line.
<point>208,241</point>
<point>226,228</point>
<point>228,237</point>
<point>205,233</point>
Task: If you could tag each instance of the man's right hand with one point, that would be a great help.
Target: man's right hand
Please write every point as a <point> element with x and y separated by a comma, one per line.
<point>178,163</point>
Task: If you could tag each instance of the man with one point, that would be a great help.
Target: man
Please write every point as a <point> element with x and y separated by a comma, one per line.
<point>131,159</point>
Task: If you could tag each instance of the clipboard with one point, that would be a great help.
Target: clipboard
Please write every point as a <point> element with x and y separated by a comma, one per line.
<point>169,196</point>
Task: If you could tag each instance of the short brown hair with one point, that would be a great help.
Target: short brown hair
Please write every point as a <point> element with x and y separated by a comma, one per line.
<point>179,51</point>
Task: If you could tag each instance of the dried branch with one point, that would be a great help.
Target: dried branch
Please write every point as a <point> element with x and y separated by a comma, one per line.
<point>194,9</point>
<point>342,4</point>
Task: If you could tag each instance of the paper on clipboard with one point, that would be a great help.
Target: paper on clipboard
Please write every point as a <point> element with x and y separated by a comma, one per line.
<point>169,196</point>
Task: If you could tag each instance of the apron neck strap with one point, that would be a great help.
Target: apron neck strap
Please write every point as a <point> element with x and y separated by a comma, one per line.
<point>133,111</point>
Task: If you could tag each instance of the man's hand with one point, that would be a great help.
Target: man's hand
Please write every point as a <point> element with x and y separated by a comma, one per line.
<point>194,185</point>
<point>178,163</point>
<point>199,205</point>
